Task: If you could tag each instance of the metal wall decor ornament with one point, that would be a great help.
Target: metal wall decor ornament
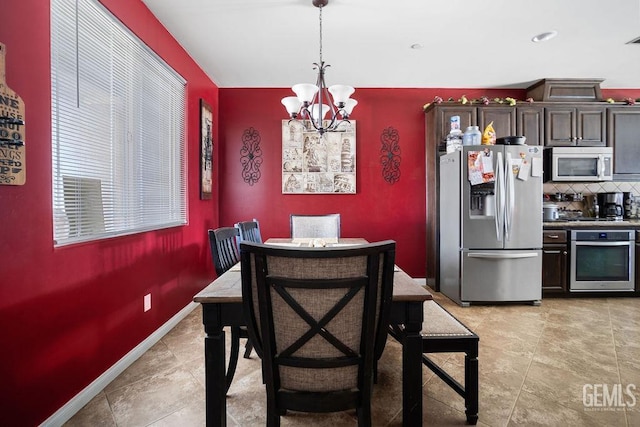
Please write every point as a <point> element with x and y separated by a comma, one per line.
<point>314,163</point>
<point>206,150</point>
<point>390,155</point>
<point>251,156</point>
<point>309,102</point>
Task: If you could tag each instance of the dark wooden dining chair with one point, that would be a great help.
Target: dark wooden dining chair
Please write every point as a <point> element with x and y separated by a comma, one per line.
<point>224,251</point>
<point>249,231</point>
<point>317,317</point>
<point>315,226</point>
<point>224,248</point>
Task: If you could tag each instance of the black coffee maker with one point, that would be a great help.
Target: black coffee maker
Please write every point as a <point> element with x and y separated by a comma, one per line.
<point>611,205</point>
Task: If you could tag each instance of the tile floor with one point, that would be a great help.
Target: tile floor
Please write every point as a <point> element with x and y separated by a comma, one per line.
<point>535,364</point>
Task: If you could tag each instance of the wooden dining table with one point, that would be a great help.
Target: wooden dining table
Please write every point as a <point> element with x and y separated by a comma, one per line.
<point>222,306</point>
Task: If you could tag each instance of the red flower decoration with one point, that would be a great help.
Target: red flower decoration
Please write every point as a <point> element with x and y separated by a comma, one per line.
<point>630,101</point>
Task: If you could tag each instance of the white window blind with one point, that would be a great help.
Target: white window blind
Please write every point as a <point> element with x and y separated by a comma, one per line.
<point>117,129</point>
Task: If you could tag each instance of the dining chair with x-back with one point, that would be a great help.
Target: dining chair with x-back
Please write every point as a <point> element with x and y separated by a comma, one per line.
<point>317,318</point>
<point>315,226</point>
<point>223,242</point>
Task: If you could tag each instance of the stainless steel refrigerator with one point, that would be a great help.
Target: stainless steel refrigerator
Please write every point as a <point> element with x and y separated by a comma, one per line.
<point>490,224</point>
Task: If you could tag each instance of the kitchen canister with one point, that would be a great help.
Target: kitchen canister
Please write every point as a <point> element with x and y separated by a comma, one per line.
<point>472,136</point>
<point>549,212</point>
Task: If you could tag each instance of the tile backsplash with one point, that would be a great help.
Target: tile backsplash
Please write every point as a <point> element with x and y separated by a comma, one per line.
<point>588,189</point>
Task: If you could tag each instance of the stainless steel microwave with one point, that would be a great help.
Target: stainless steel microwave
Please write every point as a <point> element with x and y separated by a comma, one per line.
<point>579,164</point>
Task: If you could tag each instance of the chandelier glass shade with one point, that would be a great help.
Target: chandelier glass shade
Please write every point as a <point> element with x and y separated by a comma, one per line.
<point>313,102</point>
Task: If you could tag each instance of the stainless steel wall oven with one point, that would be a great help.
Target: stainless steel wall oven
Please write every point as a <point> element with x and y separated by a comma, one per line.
<point>602,260</point>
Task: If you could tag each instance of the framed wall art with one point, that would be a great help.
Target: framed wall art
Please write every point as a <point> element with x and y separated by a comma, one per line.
<point>206,150</point>
<point>312,164</point>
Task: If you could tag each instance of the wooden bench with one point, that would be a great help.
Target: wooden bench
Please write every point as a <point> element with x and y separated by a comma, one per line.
<point>443,333</point>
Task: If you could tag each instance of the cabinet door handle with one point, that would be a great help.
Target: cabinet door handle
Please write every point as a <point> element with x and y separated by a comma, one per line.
<point>551,252</point>
<point>553,236</point>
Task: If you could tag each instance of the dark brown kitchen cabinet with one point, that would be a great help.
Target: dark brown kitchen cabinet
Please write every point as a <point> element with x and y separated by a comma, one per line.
<point>530,123</point>
<point>624,137</point>
<point>443,116</point>
<point>570,126</point>
<point>554,261</point>
<point>503,118</point>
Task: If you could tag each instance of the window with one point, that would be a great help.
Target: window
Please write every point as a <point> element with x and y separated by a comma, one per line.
<point>118,147</point>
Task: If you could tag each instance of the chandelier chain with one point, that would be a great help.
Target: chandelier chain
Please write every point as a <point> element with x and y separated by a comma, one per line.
<point>321,35</point>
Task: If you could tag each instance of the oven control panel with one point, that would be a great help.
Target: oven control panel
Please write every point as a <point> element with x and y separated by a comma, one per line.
<point>602,235</point>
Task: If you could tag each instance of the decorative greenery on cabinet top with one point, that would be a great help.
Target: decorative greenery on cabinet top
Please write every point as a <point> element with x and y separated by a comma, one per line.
<point>508,101</point>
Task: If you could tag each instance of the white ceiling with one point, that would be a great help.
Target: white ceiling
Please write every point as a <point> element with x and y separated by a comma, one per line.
<point>466,43</point>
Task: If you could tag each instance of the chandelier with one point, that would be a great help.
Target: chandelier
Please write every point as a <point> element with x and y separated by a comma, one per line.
<point>309,102</point>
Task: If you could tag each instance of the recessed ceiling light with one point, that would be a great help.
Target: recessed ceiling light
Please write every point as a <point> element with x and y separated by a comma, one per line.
<point>543,37</point>
<point>416,46</point>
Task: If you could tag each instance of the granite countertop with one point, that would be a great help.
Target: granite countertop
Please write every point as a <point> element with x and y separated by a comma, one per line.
<point>632,223</point>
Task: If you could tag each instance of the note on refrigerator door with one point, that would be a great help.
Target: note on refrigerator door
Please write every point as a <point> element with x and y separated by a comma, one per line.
<point>523,171</point>
<point>515,166</point>
<point>536,166</point>
<point>480,166</point>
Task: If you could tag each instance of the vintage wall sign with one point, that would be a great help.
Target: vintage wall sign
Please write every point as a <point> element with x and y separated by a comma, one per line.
<point>12,132</point>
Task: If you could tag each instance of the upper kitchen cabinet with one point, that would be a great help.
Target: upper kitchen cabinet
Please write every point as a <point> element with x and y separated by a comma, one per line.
<point>442,120</point>
<point>576,126</point>
<point>530,123</point>
<point>569,119</point>
<point>624,137</point>
<point>520,120</point>
<point>503,119</point>
<point>507,121</point>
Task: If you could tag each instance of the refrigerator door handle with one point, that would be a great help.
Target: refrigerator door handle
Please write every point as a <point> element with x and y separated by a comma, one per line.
<point>495,255</point>
<point>499,198</point>
<point>510,201</point>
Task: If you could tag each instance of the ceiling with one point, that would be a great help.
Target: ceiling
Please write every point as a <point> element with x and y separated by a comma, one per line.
<point>465,43</point>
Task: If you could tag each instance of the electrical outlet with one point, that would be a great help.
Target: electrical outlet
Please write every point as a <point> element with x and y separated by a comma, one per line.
<point>147,302</point>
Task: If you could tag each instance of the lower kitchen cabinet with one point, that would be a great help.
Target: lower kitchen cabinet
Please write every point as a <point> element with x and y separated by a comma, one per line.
<point>554,261</point>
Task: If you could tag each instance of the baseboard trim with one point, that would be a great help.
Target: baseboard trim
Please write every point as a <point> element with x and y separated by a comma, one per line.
<point>70,408</point>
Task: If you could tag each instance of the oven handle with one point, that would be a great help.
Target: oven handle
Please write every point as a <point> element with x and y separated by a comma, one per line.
<point>588,243</point>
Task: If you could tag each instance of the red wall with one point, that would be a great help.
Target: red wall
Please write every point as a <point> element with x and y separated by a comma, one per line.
<point>68,314</point>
